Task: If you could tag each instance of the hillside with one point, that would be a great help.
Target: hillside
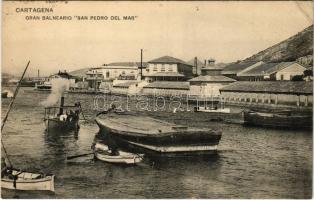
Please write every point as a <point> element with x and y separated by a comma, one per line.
<point>299,45</point>
<point>79,72</point>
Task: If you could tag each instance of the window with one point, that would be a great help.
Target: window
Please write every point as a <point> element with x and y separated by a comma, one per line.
<point>155,67</point>
<point>107,74</point>
<point>170,69</point>
<point>163,68</point>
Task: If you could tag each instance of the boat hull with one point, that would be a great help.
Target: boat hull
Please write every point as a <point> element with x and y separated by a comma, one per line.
<point>172,143</point>
<point>277,120</point>
<point>55,124</point>
<point>218,110</point>
<point>103,153</point>
<point>46,183</point>
<point>4,94</point>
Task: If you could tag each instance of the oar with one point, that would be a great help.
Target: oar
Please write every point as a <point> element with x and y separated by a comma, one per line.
<point>76,156</point>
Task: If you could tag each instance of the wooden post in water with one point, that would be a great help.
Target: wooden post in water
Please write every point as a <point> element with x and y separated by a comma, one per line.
<point>141,64</point>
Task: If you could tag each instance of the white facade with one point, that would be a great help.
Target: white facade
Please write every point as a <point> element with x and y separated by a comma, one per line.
<point>158,67</point>
<point>114,72</point>
<point>207,89</point>
<point>290,71</point>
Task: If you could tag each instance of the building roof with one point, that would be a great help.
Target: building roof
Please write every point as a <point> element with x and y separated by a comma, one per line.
<point>236,67</point>
<point>168,59</point>
<point>169,74</point>
<point>125,84</point>
<point>279,87</point>
<point>126,64</point>
<point>208,78</point>
<point>181,85</point>
<point>212,68</point>
<point>267,69</point>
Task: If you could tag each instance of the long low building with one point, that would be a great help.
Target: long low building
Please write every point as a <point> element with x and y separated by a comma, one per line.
<point>167,88</point>
<point>291,93</point>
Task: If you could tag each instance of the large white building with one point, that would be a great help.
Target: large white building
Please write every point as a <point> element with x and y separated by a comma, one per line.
<point>168,68</point>
<point>123,70</point>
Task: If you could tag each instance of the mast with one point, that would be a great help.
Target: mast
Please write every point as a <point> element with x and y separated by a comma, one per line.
<point>7,114</point>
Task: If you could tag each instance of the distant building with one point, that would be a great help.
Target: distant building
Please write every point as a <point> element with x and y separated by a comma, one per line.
<point>123,70</point>
<point>168,68</point>
<point>94,77</point>
<point>272,71</point>
<point>210,81</point>
<point>167,88</point>
<point>272,93</point>
<point>233,69</point>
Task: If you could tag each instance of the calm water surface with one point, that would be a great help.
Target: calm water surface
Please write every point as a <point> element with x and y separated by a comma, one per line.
<point>251,162</point>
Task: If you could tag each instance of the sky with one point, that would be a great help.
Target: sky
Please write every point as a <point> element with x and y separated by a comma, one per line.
<point>227,31</point>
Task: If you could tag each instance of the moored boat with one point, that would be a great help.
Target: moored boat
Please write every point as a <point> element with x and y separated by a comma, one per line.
<point>151,136</point>
<point>43,86</point>
<point>4,94</point>
<point>12,178</point>
<point>211,110</point>
<point>103,153</point>
<point>278,119</point>
<point>20,180</point>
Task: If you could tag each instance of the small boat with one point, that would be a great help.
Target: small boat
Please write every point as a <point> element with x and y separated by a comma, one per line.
<point>103,153</point>
<point>21,180</point>
<point>4,94</point>
<point>214,107</point>
<point>211,110</point>
<point>43,86</point>
<point>278,119</point>
<point>63,118</point>
<point>147,135</point>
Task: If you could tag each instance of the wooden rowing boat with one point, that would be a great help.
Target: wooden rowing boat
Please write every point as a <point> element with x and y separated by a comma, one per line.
<point>143,134</point>
<point>20,180</point>
<point>103,153</point>
<point>12,178</point>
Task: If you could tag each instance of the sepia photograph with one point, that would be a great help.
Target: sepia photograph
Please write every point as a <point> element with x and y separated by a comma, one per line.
<point>157,99</point>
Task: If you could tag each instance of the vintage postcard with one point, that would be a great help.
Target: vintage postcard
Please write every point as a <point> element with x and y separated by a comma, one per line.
<point>157,99</point>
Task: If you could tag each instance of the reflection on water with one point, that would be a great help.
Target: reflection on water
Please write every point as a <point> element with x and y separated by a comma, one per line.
<point>251,162</point>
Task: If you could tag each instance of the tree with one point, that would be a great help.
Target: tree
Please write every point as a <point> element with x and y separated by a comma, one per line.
<point>297,78</point>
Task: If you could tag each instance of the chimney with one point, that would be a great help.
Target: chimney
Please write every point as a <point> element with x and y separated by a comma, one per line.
<point>195,65</point>
<point>211,62</point>
<point>205,63</point>
<point>61,105</point>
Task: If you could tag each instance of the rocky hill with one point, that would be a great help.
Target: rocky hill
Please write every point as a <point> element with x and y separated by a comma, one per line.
<point>79,73</point>
<point>297,46</point>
